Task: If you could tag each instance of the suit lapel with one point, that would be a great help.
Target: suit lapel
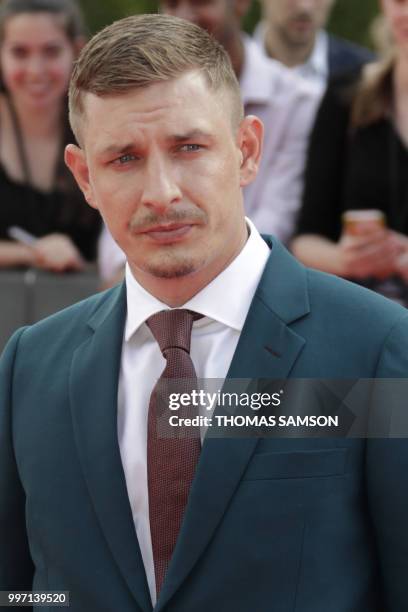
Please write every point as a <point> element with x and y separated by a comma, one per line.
<point>93,394</point>
<point>267,348</point>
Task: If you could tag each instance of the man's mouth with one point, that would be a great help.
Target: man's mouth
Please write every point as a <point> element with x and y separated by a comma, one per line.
<point>302,21</point>
<point>166,233</point>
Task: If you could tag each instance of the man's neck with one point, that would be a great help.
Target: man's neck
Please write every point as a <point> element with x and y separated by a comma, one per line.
<point>173,292</point>
<point>289,55</point>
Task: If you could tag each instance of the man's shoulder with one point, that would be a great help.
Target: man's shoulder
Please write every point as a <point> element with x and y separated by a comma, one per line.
<point>328,299</point>
<point>351,308</point>
<point>361,332</point>
<point>346,56</point>
<point>346,291</point>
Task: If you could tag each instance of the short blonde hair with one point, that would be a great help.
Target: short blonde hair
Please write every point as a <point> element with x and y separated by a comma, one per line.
<point>141,50</point>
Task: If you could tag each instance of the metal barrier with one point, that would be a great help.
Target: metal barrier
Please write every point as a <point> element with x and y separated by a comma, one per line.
<point>30,295</point>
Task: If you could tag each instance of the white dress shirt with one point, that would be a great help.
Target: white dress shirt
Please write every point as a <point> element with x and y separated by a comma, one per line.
<point>316,68</point>
<point>287,106</point>
<point>224,303</point>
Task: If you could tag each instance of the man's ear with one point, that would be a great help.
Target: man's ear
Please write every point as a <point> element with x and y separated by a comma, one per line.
<point>250,138</point>
<point>76,161</point>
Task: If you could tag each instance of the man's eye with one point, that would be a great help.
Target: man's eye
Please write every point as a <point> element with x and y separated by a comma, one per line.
<point>190,148</point>
<point>125,159</point>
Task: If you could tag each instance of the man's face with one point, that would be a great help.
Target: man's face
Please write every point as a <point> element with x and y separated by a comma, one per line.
<point>165,166</point>
<point>297,21</point>
<point>215,16</point>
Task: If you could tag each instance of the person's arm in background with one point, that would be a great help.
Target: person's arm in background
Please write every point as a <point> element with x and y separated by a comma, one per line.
<point>352,256</point>
<point>15,254</point>
<point>367,185</point>
<point>402,261</point>
<point>57,253</point>
<point>330,180</point>
<point>54,252</point>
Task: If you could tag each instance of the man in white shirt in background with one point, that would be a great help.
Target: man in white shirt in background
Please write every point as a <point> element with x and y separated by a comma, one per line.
<point>285,104</point>
<point>292,32</point>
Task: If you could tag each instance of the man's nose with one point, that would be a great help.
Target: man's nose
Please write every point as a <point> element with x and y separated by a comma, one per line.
<point>160,184</point>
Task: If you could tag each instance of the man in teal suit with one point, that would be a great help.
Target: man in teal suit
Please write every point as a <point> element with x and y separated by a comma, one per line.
<point>271,524</point>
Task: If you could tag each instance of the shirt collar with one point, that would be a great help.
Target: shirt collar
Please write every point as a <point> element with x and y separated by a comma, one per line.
<point>226,298</point>
<point>318,61</point>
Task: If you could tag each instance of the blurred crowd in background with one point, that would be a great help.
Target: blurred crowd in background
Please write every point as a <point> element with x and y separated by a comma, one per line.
<point>329,81</point>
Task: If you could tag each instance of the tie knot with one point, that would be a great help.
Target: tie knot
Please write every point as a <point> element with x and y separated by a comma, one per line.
<point>172,328</point>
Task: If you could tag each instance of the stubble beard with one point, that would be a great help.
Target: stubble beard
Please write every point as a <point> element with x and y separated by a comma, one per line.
<point>168,262</point>
<point>171,266</point>
<point>296,40</point>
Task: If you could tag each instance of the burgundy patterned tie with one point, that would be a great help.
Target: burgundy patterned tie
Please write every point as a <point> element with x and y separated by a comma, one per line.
<point>171,461</point>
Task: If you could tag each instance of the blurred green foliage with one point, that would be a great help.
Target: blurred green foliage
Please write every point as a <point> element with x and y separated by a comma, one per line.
<point>350,18</point>
<point>100,14</point>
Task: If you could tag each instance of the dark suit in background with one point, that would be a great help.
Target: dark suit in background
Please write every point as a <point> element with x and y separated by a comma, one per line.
<point>345,56</point>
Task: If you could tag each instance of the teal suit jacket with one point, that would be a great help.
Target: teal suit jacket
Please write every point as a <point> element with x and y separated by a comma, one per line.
<point>272,525</point>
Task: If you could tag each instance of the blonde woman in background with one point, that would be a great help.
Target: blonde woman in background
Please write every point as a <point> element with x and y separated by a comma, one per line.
<point>365,168</point>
